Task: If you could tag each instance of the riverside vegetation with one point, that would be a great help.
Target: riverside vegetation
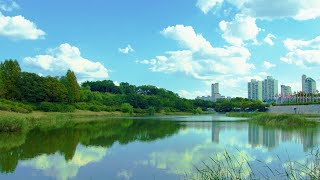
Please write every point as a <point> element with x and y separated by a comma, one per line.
<point>276,120</point>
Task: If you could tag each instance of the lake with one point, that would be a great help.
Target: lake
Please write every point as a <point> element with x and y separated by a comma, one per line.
<point>148,148</point>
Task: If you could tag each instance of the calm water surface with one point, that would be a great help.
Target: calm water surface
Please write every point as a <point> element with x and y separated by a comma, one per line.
<point>156,148</point>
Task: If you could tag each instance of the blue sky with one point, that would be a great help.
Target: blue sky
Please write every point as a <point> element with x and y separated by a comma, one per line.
<point>180,45</point>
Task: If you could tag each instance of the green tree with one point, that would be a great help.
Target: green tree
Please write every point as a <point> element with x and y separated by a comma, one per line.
<point>151,110</point>
<point>9,75</point>
<point>72,86</point>
<point>55,90</point>
<point>126,108</point>
<point>32,87</point>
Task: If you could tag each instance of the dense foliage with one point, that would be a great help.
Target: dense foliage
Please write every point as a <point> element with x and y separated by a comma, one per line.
<point>48,93</point>
<point>239,104</point>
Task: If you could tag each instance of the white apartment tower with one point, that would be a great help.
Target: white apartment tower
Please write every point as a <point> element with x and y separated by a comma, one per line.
<point>304,77</point>
<point>269,89</point>
<point>255,90</point>
<point>215,95</point>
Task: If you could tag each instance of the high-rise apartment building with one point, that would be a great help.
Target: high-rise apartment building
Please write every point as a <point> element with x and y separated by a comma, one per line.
<point>215,95</point>
<point>285,91</point>
<point>269,89</point>
<point>255,90</point>
<point>308,84</point>
<point>303,82</point>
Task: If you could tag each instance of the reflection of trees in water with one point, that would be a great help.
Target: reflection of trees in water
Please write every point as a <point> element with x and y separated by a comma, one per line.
<point>271,137</point>
<point>65,140</point>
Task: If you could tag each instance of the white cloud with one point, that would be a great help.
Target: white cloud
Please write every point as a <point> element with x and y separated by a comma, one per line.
<point>8,5</point>
<point>304,53</point>
<point>268,65</point>
<point>206,5</point>
<point>265,74</point>
<point>200,59</point>
<point>65,57</point>
<point>56,166</point>
<point>192,95</point>
<point>126,50</point>
<point>17,27</point>
<point>187,38</point>
<point>241,28</point>
<point>268,39</point>
<point>116,83</point>
<point>274,9</point>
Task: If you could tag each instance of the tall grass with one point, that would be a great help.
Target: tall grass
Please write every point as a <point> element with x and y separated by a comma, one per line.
<point>230,167</point>
<point>282,120</point>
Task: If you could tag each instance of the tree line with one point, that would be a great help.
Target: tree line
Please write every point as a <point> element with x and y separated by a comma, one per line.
<point>65,94</point>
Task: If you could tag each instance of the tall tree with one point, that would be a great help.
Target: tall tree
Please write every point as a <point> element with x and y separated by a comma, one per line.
<point>9,75</point>
<point>72,86</point>
<point>55,90</point>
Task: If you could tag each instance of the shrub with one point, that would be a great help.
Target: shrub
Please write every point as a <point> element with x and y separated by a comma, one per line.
<point>126,108</point>
<point>151,111</point>
<point>94,108</point>
<point>6,105</point>
<point>12,124</point>
<point>55,107</point>
<point>197,111</point>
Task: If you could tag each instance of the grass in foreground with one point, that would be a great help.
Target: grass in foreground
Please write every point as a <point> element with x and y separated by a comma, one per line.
<point>233,167</point>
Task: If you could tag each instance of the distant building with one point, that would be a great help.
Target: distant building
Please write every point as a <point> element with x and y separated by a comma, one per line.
<point>308,84</point>
<point>303,82</point>
<point>255,90</point>
<point>285,91</point>
<point>205,98</point>
<point>269,89</point>
<point>215,94</point>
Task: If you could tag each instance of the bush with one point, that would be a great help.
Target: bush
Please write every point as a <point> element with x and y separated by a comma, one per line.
<point>12,124</point>
<point>126,108</point>
<point>94,108</point>
<point>197,111</point>
<point>55,107</point>
<point>151,111</point>
<point>6,105</point>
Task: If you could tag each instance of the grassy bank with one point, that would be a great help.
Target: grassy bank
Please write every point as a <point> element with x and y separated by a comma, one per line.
<point>20,122</point>
<point>276,120</point>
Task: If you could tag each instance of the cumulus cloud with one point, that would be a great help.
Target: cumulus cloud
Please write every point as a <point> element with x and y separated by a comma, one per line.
<point>241,28</point>
<point>304,53</point>
<point>272,9</point>
<point>269,39</point>
<point>126,50</point>
<point>8,5</point>
<point>207,5</point>
<point>64,57</point>
<point>199,59</point>
<point>268,65</point>
<point>18,27</point>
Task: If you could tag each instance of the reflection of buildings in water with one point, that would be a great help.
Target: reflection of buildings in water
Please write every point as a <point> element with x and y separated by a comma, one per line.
<point>217,127</point>
<point>198,125</point>
<point>261,136</point>
<point>270,138</point>
<point>257,135</point>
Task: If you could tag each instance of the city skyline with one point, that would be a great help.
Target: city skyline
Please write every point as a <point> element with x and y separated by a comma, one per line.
<point>183,49</point>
